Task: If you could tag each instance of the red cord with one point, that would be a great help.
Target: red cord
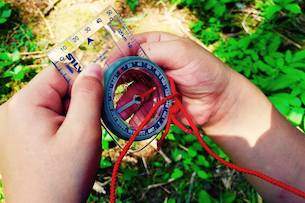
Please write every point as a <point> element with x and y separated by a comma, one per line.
<point>129,143</point>
<point>177,105</point>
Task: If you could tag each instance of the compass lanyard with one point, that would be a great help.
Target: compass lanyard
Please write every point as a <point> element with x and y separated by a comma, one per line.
<point>174,109</point>
<point>110,27</point>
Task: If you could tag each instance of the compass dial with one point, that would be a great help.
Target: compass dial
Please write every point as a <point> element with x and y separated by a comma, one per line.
<point>133,85</point>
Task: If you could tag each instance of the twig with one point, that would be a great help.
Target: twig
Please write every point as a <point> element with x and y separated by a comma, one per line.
<point>189,196</point>
<point>160,184</point>
<point>183,147</point>
<point>244,24</point>
<point>290,40</point>
<point>145,165</point>
<point>9,36</point>
<point>38,65</point>
<point>48,10</point>
<point>106,182</point>
<point>166,159</point>
<point>166,190</point>
<point>52,36</point>
<point>38,56</point>
<point>97,187</point>
<point>31,53</point>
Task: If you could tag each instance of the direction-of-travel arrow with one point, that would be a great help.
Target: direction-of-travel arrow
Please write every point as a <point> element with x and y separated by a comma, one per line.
<point>90,40</point>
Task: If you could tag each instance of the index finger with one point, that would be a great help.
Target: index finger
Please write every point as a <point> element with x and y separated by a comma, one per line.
<point>47,90</point>
<point>123,50</point>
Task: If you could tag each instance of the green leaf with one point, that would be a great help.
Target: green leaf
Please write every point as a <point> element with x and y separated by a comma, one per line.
<point>270,11</point>
<point>204,197</point>
<point>105,163</point>
<point>19,72</point>
<point>303,98</point>
<point>299,56</point>
<point>210,4</point>
<point>295,116</point>
<point>201,160</point>
<point>2,3</point>
<point>189,138</point>
<point>2,20</point>
<point>288,56</point>
<point>202,174</point>
<point>191,152</point>
<point>133,4</point>
<point>105,145</point>
<point>119,190</point>
<point>196,27</point>
<point>176,154</point>
<point>129,174</point>
<point>6,13</point>
<point>177,173</point>
<point>228,197</point>
<point>265,68</point>
<point>282,81</point>
<point>288,98</point>
<point>176,130</point>
<point>280,103</point>
<point>171,200</point>
<point>219,10</point>
<point>294,8</point>
<point>5,56</point>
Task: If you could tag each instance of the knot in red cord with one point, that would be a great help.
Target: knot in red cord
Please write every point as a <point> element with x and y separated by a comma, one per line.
<point>176,108</point>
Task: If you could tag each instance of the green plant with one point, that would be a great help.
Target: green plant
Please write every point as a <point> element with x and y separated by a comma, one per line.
<point>1,191</point>
<point>5,12</point>
<point>15,38</point>
<point>272,8</point>
<point>133,4</point>
<point>270,55</point>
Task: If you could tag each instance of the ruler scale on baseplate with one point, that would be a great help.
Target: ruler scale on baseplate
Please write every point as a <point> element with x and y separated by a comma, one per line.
<point>132,84</point>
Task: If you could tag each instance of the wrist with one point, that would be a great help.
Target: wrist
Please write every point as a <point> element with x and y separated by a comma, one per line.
<point>226,104</point>
<point>239,109</point>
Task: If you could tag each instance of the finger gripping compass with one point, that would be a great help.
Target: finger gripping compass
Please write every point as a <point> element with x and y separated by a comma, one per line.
<point>132,85</point>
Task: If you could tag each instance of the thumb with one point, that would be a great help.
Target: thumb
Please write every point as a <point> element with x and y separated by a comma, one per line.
<point>84,112</point>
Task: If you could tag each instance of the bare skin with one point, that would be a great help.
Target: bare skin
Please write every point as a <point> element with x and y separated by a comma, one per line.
<point>43,151</point>
<point>45,155</point>
<point>233,112</point>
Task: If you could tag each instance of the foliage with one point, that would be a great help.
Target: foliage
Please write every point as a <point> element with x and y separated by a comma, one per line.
<point>5,12</point>
<point>133,4</point>
<point>266,47</point>
<point>15,38</point>
<point>1,191</point>
<point>270,59</point>
<point>188,159</point>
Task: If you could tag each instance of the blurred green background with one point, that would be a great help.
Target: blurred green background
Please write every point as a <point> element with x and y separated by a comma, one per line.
<point>263,40</point>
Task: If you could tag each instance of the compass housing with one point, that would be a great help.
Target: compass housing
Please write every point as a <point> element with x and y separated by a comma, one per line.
<point>140,67</point>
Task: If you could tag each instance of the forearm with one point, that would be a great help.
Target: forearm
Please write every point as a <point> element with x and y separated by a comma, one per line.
<point>256,136</point>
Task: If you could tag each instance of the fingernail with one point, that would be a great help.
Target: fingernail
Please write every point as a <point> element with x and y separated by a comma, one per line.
<point>93,70</point>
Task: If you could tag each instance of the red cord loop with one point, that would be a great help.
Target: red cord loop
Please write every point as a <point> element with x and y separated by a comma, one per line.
<point>174,109</point>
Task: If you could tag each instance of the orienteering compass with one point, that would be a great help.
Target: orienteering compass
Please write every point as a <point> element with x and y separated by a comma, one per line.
<point>132,85</point>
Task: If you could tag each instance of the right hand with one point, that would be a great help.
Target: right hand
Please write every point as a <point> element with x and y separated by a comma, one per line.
<point>200,77</point>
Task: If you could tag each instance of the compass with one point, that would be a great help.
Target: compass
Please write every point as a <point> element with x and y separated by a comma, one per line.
<point>132,85</point>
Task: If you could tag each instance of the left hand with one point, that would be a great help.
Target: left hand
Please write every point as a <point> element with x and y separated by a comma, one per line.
<point>45,154</point>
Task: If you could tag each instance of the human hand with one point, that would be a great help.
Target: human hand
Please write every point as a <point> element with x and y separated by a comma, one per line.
<point>201,78</point>
<point>232,111</point>
<point>47,155</point>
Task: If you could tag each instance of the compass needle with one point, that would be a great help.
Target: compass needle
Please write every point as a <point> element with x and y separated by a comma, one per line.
<point>129,104</point>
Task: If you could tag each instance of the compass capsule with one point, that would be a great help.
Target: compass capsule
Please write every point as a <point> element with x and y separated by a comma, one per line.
<point>132,86</point>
